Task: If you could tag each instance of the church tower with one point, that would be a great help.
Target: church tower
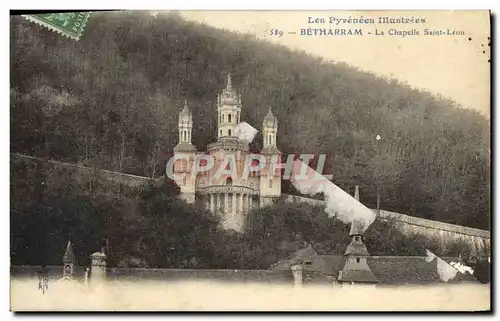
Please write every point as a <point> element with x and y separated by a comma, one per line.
<point>356,269</point>
<point>228,111</point>
<point>270,179</point>
<point>185,154</point>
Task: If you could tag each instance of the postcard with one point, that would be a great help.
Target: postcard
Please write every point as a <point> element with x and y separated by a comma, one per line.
<point>250,161</point>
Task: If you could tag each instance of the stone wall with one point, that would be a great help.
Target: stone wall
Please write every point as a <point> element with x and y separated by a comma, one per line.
<point>443,233</point>
<point>168,275</point>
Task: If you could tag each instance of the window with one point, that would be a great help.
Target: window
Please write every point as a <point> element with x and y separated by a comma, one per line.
<point>229,181</point>
<point>229,118</point>
<point>357,238</point>
<point>221,132</point>
<point>308,263</point>
<point>238,117</point>
<point>357,260</point>
<point>229,132</point>
<point>271,184</point>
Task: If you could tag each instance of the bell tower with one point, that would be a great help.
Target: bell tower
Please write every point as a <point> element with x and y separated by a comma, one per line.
<point>228,111</point>
<point>184,153</point>
<point>356,269</point>
<point>270,178</point>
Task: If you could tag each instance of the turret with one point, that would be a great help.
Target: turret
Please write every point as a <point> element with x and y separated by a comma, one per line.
<point>356,269</point>
<point>270,177</point>
<point>185,153</point>
<point>228,110</point>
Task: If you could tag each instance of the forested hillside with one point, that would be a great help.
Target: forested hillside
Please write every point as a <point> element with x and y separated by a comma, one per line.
<point>111,100</point>
<point>149,226</point>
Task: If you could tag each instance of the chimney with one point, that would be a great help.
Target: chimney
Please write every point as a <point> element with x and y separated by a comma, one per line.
<point>356,193</point>
<point>297,274</point>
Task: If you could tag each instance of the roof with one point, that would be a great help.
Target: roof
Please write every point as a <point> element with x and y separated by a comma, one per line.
<point>356,248</point>
<point>411,270</point>
<point>98,255</point>
<point>299,256</point>
<point>270,116</point>
<point>184,147</point>
<point>69,256</point>
<point>361,276</point>
<point>388,270</point>
<point>185,111</point>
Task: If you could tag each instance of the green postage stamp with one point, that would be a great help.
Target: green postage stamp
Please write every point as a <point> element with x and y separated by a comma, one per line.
<point>69,24</point>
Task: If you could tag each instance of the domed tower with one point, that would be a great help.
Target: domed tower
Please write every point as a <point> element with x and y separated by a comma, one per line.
<point>270,178</point>
<point>227,192</point>
<point>228,110</point>
<point>185,153</point>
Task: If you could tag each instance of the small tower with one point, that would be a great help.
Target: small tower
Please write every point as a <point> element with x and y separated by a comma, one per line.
<point>269,131</point>
<point>356,193</point>
<point>185,154</point>
<point>356,269</point>
<point>185,127</point>
<point>68,261</point>
<point>228,111</point>
<point>270,178</point>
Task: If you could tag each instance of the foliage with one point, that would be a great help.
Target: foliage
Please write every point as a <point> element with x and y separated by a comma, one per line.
<point>111,101</point>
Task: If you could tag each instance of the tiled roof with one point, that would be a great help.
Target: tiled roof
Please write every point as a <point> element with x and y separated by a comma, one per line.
<point>411,270</point>
<point>296,257</point>
<point>184,147</point>
<point>356,248</point>
<point>363,276</point>
<point>390,270</point>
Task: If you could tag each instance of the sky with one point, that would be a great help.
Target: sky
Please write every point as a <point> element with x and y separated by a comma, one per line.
<point>452,66</point>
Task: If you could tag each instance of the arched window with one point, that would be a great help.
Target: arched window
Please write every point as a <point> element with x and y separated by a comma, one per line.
<point>220,118</point>
<point>229,118</point>
<point>229,132</point>
<point>357,260</point>
<point>221,132</point>
<point>229,181</point>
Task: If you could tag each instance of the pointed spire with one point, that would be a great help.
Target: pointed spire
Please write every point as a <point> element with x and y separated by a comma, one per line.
<point>185,110</point>
<point>229,84</point>
<point>269,116</point>
<point>69,256</point>
<point>356,193</point>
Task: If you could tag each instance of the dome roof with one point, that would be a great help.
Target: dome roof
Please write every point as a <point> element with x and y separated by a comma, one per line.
<point>270,116</point>
<point>185,111</point>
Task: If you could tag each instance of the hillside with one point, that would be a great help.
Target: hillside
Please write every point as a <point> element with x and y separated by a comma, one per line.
<point>147,226</point>
<point>111,101</point>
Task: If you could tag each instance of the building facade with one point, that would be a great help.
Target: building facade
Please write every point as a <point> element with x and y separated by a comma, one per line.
<point>227,188</point>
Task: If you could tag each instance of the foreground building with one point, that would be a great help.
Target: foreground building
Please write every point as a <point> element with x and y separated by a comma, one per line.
<point>230,196</point>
